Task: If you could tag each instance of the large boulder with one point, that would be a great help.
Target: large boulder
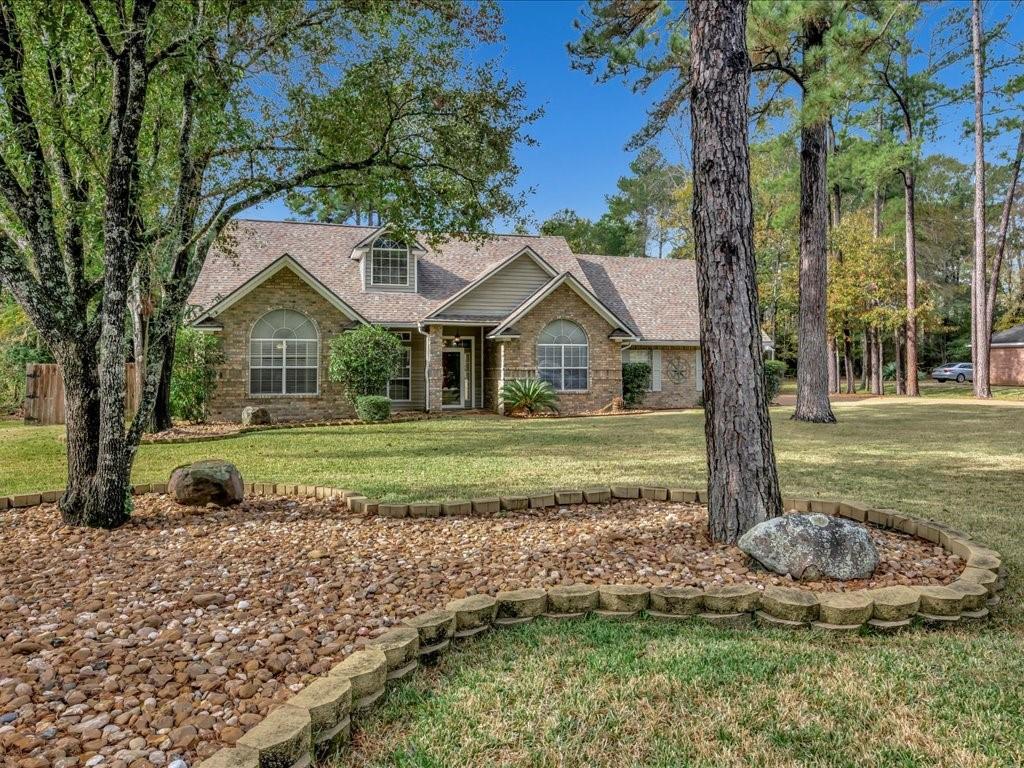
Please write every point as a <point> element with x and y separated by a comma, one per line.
<point>812,547</point>
<point>210,481</point>
<point>255,415</point>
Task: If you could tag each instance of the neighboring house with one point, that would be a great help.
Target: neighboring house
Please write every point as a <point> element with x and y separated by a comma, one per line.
<point>1006,364</point>
<point>471,316</point>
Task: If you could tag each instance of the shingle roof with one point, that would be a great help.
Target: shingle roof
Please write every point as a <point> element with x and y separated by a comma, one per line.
<point>657,297</point>
<point>1014,335</point>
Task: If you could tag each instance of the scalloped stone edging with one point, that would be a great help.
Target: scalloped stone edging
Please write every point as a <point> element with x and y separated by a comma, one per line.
<point>318,719</point>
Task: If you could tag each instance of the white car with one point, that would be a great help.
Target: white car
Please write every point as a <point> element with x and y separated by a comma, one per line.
<point>959,372</point>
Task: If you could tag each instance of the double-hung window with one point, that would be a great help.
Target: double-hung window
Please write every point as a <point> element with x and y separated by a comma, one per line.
<point>562,356</point>
<point>389,264</point>
<point>400,386</point>
<point>284,354</point>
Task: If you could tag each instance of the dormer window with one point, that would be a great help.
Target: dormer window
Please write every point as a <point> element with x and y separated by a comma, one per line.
<point>388,264</point>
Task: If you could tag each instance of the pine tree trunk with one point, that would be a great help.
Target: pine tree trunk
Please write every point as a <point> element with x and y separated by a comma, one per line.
<point>901,385</point>
<point>812,354</point>
<point>743,486</point>
<point>833,365</point>
<point>979,338</point>
<point>909,193</point>
<point>865,359</point>
<point>851,385</point>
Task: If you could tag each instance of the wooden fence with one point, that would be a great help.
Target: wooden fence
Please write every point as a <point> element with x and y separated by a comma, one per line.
<point>44,393</point>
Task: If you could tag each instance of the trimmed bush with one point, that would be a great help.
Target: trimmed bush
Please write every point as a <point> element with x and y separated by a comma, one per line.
<point>364,360</point>
<point>636,382</point>
<point>774,371</point>
<point>373,408</point>
<point>196,358</point>
<point>529,396</point>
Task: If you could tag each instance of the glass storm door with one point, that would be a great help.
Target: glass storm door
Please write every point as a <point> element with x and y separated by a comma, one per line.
<point>453,379</point>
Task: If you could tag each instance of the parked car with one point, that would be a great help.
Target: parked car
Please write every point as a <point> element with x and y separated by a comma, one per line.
<point>959,372</point>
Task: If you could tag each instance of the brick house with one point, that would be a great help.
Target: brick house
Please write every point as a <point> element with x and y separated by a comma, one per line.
<point>1006,365</point>
<point>470,315</point>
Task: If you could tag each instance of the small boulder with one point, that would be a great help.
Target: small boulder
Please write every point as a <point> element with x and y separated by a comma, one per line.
<point>210,481</point>
<point>254,416</point>
<point>812,547</point>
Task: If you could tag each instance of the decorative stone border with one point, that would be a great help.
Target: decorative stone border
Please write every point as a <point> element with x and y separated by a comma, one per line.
<point>317,721</point>
<point>399,417</point>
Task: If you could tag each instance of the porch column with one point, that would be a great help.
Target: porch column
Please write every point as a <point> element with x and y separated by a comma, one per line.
<point>435,343</point>
<point>500,382</point>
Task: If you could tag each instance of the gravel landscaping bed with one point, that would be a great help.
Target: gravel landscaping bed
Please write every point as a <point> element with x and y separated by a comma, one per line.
<point>168,638</point>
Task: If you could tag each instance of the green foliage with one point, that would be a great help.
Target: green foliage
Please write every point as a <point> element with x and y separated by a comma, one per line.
<point>364,360</point>
<point>528,395</point>
<point>774,371</point>
<point>19,345</point>
<point>607,236</point>
<point>373,408</point>
<point>636,381</point>
<point>196,358</point>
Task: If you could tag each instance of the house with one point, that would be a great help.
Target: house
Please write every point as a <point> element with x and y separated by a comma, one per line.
<point>1006,363</point>
<point>470,315</point>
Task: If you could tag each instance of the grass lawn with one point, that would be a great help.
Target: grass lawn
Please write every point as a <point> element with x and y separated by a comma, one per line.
<point>601,694</point>
<point>934,389</point>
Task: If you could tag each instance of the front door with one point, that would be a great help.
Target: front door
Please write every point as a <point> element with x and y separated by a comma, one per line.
<point>453,378</point>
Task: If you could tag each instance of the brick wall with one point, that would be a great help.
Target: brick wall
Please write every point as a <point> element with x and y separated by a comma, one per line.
<point>605,355</point>
<point>282,291</point>
<point>1007,366</point>
<point>679,386</point>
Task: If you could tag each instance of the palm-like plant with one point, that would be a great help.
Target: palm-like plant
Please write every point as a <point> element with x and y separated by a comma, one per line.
<point>529,395</point>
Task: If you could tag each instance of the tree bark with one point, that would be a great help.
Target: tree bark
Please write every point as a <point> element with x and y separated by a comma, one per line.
<point>979,328</point>
<point>162,409</point>
<point>901,384</point>
<point>833,365</point>
<point>909,194</point>
<point>851,385</point>
<point>812,402</point>
<point>743,485</point>
<point>1004,231</point>
<point>865,359</point>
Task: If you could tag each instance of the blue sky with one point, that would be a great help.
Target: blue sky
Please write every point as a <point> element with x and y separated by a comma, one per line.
<point>582,134</point>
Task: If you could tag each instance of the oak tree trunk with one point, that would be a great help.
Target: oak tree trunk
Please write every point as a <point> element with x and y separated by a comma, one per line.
<point>743,486</point>
<point>812,349</point>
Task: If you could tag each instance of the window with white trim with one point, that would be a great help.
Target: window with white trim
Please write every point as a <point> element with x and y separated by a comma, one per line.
<point>400,387</point>
<point>562,356</point>
<point>284,354</point>
<point>388,264</point>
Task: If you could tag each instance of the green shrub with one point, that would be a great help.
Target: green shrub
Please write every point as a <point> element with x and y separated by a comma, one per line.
<point>636,381</point>
<point>529,395</point>
<point>774,371</point>
<point>364,360</point>
<point>196,358</point>
<point>373,408</point>
<point>19,345</point>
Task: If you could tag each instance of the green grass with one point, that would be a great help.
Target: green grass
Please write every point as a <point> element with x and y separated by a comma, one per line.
<point>643,694</point>
<point>933,389</point>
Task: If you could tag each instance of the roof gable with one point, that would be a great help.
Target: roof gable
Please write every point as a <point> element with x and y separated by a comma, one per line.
<point>500,289</point>
<point>284,262</point>
<point>569,280</point>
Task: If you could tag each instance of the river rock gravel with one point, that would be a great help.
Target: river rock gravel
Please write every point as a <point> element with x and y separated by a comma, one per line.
<point>171,636</point>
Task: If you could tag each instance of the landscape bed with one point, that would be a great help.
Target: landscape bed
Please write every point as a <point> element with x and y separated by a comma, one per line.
<point>182,637</point>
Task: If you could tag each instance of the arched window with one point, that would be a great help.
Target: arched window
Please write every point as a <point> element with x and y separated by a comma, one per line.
<point>284,354</point>
<point>389,263</point>
<point>562,356</point>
